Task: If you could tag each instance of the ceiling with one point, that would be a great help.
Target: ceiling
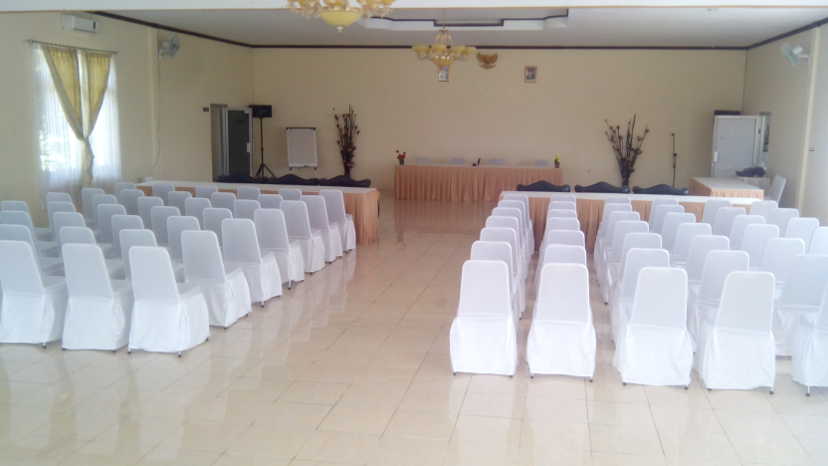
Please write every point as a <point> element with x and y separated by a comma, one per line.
<point>581,27</point>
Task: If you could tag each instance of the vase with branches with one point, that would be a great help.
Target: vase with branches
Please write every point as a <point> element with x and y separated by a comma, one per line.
<point>627,146</point>
<point>347,130</point>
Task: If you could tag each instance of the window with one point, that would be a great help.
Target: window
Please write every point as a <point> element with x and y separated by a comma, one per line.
<point>61,153</point>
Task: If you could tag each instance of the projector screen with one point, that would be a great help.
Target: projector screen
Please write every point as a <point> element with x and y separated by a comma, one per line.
<point>301,147</point>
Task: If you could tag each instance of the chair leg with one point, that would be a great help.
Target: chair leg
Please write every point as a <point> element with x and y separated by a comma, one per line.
<point>807,390</point>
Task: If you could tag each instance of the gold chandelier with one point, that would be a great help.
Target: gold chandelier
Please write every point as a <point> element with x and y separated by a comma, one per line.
<point>443,52</point>
<point>341,13</point>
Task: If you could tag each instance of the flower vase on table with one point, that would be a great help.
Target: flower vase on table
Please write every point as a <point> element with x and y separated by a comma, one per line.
<point>401,157</point>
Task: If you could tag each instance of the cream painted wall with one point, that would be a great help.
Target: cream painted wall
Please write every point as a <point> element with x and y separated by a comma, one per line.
<point>493,113</point>
<point>773,85</point>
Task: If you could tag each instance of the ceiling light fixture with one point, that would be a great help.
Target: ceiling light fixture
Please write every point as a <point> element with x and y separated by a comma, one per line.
<point>443,52</point>
<point>341,13</point>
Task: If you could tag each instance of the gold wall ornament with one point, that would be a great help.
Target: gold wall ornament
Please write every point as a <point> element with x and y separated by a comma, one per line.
<point>487,61</point>
<point>341,13</point>
<point>443,52</point>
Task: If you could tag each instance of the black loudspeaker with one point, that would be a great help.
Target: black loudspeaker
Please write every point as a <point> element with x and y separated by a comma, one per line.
<point>262,111</point>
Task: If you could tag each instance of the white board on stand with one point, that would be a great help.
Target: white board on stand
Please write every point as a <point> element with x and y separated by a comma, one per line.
<point>301,147</point>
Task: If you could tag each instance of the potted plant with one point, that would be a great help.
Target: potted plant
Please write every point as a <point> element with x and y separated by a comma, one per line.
<point>347,131</point>
<point>627,146</point>
<point>557,161</point>
<point>401,157</point>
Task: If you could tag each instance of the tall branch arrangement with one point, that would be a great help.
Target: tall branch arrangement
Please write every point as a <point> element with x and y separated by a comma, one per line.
<point>347,131</point>
<point>627,146</point>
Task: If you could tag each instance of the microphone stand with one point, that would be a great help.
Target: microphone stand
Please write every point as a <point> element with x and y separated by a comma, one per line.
<point>675,158</point>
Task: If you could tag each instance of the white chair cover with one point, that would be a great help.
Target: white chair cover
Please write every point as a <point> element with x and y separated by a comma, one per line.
<point>562,338</point>
<point>122,222</point>
<point>810,349</point>
<point>145,205</point>
<point>763,208</point>
<point>670,225</point>
<point>66,219</point>
<point>159,216</point>
<point>559,254</point>
<point>225,289</point>
<point>291,194</point>
<point>33,306</point>
<point>14,232</point>
<point>723,222</point>
<point>129,238</point>
<point>104,220</point>
<point>802,228</point>
<point>510,236</point>
<point>166,317</point>
<point>735,348</point>
<point>248,192</point>
<point>22,218</point>
<point>101,199</point>
<point>120,186</point>
<point>176,224</point>
<point>54,196</point>
<point>660,202</point>
<point>161,189</point>
<point>270,201</point>
<point>606,221</point>
<point>572,237</point>
<point>740,223</point>
<point>240,245</point>
<point>335,203</point>
<point>244,208</point>
<point>558,223</point>
<point>800,298</point>
<point>562,205</point>
<point>212,218</point>
<point>781,255</point>
<point>711,207</point>
<point>14,205</point>
<point>98,311</point>
<point>612,253</point>
<point>605,232</point>
<point>526,219</point>
<point>299,230</point>
<point>564,213</point>
<point>685,234</point>
<point>318,215</point>
<point>194,207</point>
<point>483,339</point>
<point>205,191</point>
<point>653,346</point>
<point>88,196</point>
<point>178,199</point>
<point>615,266</point>
<point>755,239</point>
<point>706,296</point>
<point>54,207</point>
<point>502,251</point>
<point>501,221</point>
<point>129,199</point>
<point>223,200</point>
<point>819,241</point>
<point>781,216</point>
<point>658,214</point>
<point>271,229</point>
<point>622,298</point>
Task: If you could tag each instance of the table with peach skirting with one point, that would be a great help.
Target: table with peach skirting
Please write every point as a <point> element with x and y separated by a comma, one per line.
<point>361,203</point>
<point>724,187</point>
<point>590,207</point>
<point>465,183</point>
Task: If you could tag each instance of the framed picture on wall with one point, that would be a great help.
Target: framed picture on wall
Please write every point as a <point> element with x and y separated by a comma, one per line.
<point>530,74</point>
<point>443,75</point>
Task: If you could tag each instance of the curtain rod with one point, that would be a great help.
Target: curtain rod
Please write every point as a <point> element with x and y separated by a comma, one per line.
<point>52,44</point>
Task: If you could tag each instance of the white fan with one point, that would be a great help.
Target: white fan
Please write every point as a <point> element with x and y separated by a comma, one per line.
<point>169,47</point>
<point>795,54</point>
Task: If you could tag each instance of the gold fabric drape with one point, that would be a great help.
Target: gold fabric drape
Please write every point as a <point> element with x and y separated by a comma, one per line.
<point>456,183</point>
<point>97,80</point>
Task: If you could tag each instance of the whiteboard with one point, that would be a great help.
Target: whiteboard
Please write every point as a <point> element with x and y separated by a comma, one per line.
<point>301,147</point>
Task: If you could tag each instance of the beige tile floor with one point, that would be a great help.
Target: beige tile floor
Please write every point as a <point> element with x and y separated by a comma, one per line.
<point>352,367</point>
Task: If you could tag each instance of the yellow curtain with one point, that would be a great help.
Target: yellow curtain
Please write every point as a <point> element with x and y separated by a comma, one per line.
<point>63,66</point>
<point>97,79</point>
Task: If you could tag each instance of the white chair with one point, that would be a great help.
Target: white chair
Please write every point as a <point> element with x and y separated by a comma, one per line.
<point>204,191</point>
<point>755,239</point>
<point>612,253</point>
<point>776,189</point>
<point>502,251</point>
<point>14,232</point>
<point>212,218</point>
<point>737,229</point>
<point>129,199</point>
<point>564,197</point>
<point>723,221</point>
<point>706,295</point>
<point>562,337</point>
<point>104,220</point>
<point>128,238</point>
<point>271,229</point>
<point>120,186</point>
<point>558,223</point>
<point>819,241</point>
<point>564,254</point>
<point>685,234</point>
<point>158,223</point>
<point>564,213</point>
<point>145,205</point>
<point>808,356</point>
<point>98,310</point>
<point>299,230</point>
<point>14,205</point>
<point>522,254</point>
<point>88,196</point>
<point>562,205</point>
<point>335,203</point>
<point>53,196</point>
<point>802,228</point>
<point>763,208</point>
<point>800,299</point>
<point>781,216</point>
<point>248,192</point>
<point>270,201</point>
<point>32,306</point>
<point>54,207</point>
<point>121,222</point>
<point>291,194</point>
<point>573,237</point>
<point>161,189</point>
<point>508,235</point>
<point>245,208</point>
<point>520,202</point>
<point>194,207</point>
<point>66,219</point>
<point>622,298</point>
<point>331,237</point>
<point>735,347</point>
<point>658,214</point>
<point>98,200</point>
<point>670,226</point>
<point>482,338</point>
<point>653,346</point>
<point>615,266</point>
<point>240,246</point>
<point>178,199</point>
<point>167,317</point>
<point>22,218</point>
<point>711,207</point>
<point>176,225</point>
<point>84,235</point>
<point>223,200</point>
<point>225,289</point>
<point>605,232</point>
<point>781,255</point>
<point>660,202</point>
<point>607,210</point>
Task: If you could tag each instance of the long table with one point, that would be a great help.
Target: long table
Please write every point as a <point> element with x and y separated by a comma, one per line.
<point>724,187</point>
<point>465,183</point>
<point>590,208</point>
<point>361,203</point>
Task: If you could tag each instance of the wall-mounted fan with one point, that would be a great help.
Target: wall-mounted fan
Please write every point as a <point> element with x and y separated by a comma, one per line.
<point>169,47</point>
<point>795,54</point>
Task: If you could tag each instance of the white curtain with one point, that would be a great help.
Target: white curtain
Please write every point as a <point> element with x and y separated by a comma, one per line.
<point>61,152</point>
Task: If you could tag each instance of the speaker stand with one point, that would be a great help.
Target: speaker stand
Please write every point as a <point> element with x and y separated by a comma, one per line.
<point>263,168</point>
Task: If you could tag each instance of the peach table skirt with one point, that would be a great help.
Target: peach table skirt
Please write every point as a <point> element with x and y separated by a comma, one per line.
<point>364,207</point>
<point>697,187</point>
<point>452,183</point>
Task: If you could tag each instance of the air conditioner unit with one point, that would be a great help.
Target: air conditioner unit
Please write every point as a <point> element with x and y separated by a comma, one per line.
<point>80,23</point>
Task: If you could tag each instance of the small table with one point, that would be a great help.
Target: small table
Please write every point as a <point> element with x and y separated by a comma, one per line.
<point>724,187</point>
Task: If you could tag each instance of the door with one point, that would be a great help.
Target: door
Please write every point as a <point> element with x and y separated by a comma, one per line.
<point>735,144</point>
<point>239,161</point>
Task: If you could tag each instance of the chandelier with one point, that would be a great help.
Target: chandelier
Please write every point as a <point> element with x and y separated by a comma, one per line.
<point>443,52</point>
<point>341,13</point>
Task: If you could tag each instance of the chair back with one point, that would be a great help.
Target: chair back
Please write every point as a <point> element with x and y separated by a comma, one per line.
<point>570,237</point>
<point>559,197</point>
<point>496,221</point>
<point>145,205</point>
<point>622,229</point>
<point>201,254</point>
<point>120,186</point>
<point>86,272</point>
<point>76,235</point>
<point>66,219</point>
<point>297,218</point>
<point>636,260</point>
<point>685,232</point>
<point>700,247</point>
<point>723,221</point>
<point>660,202</point>
<point>484,289</point>
<point>737,229</point>
<point>562,205</point>
<point>495,251</point>
<point>129,198</point>
<point>88,196</point>
<point>176,224</point>
<point>755,239</point>
<point>670,226</point>
<point>781,216</point>
<point>161,189</point>
<point>19,269</point>
<point>606,230</point>
<point>151,274</point>
<point>747,302</point>
<point>335,203</point>
<point>563,294</point>
<point>822,317</point>
<point>271,228</point>
<point>819,241</point>
<point>239,240</point>
<point>776,189</point>
<point>178,199</point>
<point>517,204</point>
<point>564,213</point>
<point>802,228</point>
<point>212,218</point>
<point>270,201</point>
<point>781,254</point>
<point>124,222</point>
<point>245,208</point>
<point>158,223</point>
<point>660,298</point>
<point>610,207</point>
<point>659,212</point>
<point>14,205</point>
<point>716,268</point>
<point>711,207</point>
<point>54,207</point>
<point>511,212</point>
<point>639,241</point>
<point>194,207</point>
<point>102,199</point>
<point>291,194</point>
<point>223,200</point>
<point>104,222</point>
<point>564,254</point>
<point>204,191</point>
<point>763,208</point>
<point>317,212</point>
<point>559,223</point>
<point>131,238</point>
<point>500,234</point>
<point>54,196</point>
<point>807,281</point>
<point>16,232</point>
<point>248,192</point>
